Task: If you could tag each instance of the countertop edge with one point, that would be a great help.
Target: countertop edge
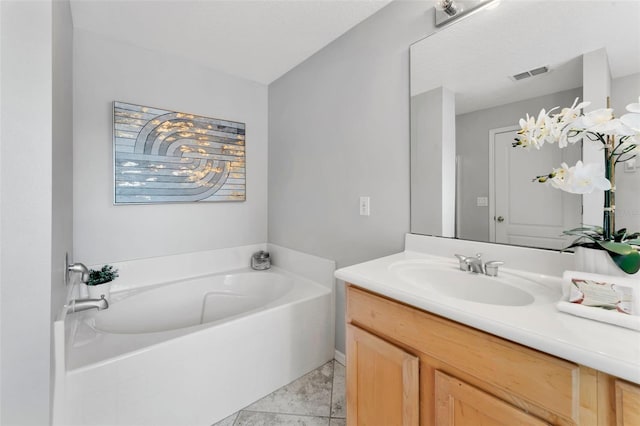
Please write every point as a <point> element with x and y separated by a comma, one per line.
<point>621,368</point>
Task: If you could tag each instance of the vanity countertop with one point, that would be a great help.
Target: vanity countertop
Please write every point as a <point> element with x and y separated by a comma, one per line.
<point>539,325</point>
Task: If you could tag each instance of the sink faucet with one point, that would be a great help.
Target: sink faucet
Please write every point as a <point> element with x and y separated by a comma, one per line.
<point>79,267</point>
<point>475,264</point>
<point>78,305</point>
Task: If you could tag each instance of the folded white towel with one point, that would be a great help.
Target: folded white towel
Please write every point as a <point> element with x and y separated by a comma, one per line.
<point>599,314</point>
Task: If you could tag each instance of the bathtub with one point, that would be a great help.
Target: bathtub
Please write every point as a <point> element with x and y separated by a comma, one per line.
<point>191,352</point>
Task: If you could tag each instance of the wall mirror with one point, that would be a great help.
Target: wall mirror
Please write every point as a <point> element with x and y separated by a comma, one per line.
<point>468,93</point>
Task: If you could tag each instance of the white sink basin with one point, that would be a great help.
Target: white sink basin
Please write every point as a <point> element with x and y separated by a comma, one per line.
<point>449,280</point>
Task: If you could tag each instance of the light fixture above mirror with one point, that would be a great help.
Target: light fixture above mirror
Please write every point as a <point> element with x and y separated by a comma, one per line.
<point>448,11</point>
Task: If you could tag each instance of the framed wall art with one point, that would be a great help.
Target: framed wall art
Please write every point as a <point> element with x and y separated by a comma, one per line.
<point>164,156</point>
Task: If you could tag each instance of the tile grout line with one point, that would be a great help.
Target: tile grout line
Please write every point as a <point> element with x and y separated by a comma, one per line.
<point>282,414</point>
<point>329,417</point>
<point>333,380</point>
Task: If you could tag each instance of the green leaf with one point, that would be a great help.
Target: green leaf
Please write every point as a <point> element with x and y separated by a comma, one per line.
<point>629,263</point>
<point>634,242</point>
<point>582,235</point>
<point>592,228</point>
<point>620,235</point>
<point>617,248</point>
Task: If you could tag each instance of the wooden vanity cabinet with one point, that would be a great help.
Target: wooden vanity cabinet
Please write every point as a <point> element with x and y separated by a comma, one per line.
<point>627,403</point>
<point>409,367</point>
<point>385,379</point>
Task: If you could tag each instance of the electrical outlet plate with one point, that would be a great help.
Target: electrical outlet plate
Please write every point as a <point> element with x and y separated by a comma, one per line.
<point>630,166</point>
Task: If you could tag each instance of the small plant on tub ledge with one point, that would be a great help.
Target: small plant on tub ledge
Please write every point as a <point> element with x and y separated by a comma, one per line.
<point>99,280</point>
<point>620,141</point>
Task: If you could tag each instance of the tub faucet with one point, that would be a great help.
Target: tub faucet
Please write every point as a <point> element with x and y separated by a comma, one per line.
<point>77,305</point>
<point>79,267</point>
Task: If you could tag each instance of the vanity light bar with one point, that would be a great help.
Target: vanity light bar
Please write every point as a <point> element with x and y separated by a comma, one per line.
<point>447,11</point>
<point>531,73</point>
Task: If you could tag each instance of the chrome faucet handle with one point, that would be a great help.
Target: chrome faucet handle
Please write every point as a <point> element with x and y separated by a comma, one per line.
<point>475,265</point>
<point>464,266</point>
<point>79,267</point>
<point>491,267</point>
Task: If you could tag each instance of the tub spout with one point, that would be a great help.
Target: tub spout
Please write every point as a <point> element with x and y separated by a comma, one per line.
<point>78,305</point>
<point>79,267</point>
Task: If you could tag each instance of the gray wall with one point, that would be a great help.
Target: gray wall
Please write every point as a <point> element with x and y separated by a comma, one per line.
<point>433,162</point>
<point>62,151</point>
<point>339,129</point>
<point>472,146</point>
<point>426,162</point>
<point>107,70</point>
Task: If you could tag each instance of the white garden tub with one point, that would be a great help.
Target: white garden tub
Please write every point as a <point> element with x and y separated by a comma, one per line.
<point>207,299</point>
<point>194,351</point>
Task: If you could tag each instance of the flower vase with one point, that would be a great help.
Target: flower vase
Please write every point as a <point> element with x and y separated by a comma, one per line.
<point>598,262</point>
<point>97,291</point>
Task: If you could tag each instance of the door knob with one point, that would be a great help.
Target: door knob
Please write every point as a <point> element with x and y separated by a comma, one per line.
<point>500,219</point>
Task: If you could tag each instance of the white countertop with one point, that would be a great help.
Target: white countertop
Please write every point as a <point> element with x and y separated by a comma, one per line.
<point>608,348</point>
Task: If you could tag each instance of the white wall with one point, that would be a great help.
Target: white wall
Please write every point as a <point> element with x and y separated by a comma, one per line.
<point>339,129</point>
<point>25,211</point>
<point>596,83</point>
<point>106,71</point>
<point>626,90</point>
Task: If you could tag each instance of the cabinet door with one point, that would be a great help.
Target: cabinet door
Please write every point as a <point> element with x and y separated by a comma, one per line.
<point>382,382</point>
<point>459,404</point>
<point>627,404</point>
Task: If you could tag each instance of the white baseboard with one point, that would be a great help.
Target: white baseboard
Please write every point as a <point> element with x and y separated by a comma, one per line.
<point>339,356</point>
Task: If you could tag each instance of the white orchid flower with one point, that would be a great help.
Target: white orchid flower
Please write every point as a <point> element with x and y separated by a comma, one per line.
<point>631,119</point>
<point>634,107</point>
<point>632,122</point>
<point>582,179</point>
<point>559,176</point>
<point>612,127</point>
<point>594,118</point>
<point>564,130</point>
<point>531,131</point>
<point>568,115</point>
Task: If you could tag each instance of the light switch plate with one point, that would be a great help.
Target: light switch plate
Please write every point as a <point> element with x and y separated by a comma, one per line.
<point>365,206</point>
<point>482,201</point>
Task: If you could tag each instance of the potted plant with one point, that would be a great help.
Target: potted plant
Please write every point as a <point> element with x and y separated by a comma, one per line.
<point>620,142</point>
<point>100,281</point>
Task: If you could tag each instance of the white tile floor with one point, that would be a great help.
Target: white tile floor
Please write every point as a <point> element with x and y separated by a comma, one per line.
<point>315,399</point>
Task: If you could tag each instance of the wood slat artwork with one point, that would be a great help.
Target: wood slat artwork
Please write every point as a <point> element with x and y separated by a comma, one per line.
<point>164,156</point>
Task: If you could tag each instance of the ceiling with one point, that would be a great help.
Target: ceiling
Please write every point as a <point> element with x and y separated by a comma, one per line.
<point>259,40</point>
<point>475,57</point>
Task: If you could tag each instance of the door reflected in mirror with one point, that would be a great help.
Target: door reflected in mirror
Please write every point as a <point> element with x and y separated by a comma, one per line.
<point>470,85</point>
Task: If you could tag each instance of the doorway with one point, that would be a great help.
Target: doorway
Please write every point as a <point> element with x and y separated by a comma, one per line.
<point>524,212</point>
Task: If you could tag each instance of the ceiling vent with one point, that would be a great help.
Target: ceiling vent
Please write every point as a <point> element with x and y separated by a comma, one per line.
<point>527,74</point>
